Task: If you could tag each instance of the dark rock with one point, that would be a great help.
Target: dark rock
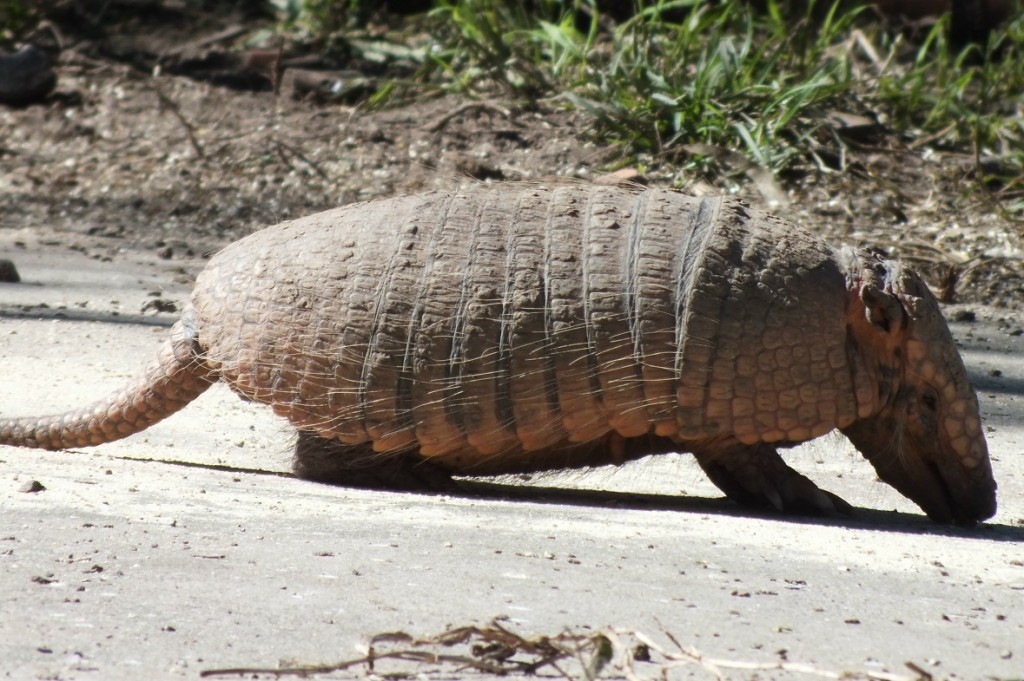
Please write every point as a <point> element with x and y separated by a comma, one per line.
<point>8,272</point>
<point>26,76</point>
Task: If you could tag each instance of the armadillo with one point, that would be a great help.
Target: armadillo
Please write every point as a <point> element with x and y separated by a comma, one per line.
<point>528,326</point>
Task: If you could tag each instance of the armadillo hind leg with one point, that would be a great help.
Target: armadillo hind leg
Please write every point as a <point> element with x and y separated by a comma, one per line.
<point>756,476</point>
<point>325,460</point>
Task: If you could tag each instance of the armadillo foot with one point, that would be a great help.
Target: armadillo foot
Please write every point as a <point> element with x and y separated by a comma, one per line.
<point>756,476</point>
<point>329,461</point>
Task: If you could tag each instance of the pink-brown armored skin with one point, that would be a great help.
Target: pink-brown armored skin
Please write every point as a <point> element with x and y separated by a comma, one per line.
<point>926,439</point>
<point>520,327</point>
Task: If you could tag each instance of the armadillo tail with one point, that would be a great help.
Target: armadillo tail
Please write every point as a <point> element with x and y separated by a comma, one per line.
<point>175,378</point>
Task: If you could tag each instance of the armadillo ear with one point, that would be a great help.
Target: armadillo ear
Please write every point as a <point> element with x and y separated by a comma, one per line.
<point>882,309</point>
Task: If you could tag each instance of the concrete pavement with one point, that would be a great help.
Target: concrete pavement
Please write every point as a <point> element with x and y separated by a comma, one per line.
<point>185,548</point>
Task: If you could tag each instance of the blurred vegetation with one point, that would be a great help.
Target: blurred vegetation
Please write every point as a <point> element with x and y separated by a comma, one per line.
<point>762,80</point>
<point>15,17</point>
<point>667,78</point>
<point>674,80</point>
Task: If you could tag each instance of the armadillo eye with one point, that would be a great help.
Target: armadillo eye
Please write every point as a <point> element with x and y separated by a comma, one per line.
<point>929,400</point>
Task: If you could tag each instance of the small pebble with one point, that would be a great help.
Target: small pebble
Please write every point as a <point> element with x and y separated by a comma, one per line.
<point>32,487</point>
<point>964,316</point>
<point>159,305</point>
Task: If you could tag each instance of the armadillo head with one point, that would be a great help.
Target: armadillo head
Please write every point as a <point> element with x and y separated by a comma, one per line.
<point>921,430</point>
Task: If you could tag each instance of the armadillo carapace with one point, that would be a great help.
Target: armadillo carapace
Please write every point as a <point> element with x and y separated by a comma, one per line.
<point>520,327</point>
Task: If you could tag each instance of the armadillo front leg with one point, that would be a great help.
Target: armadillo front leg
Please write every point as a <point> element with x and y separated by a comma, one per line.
<point>756,476</point>
<point>325,460</point>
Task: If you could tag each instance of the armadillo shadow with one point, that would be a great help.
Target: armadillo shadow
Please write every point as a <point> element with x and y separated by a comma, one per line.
<point>83,315</point>
<point>993,356</point>
<point>862,518</point>
<point>985,382</point>
<point>895,522</point>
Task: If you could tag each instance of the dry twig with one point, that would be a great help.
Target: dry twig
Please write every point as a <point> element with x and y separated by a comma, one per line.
<point>495,649</point>
<point>438,123</point>
<point>167,103</point>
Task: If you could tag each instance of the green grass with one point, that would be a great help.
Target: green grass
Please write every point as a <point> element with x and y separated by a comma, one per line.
<point>15,17</point>
<point>970,98</point>
<point>683,73</point>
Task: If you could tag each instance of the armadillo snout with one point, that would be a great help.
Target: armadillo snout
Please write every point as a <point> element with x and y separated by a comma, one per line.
<point>932,451</point>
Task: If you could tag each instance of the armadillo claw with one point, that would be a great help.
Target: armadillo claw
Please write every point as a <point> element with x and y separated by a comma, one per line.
<point>757,477</point>
<point>838,505</point>
<point>803,496</point>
